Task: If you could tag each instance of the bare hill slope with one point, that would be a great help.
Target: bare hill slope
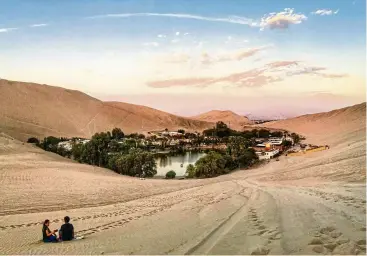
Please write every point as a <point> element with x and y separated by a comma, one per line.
<point>235,121</point>
<point>334,127</point>
<point>29,109</point>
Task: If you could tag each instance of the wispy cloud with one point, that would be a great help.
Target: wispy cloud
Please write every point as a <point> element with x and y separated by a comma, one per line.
<point>230,19</point>
<point>281,20</point>
<point>323,12</point>
<point>161,36</point>
<point>155,44</point>
<point>257,77</point>
<point>235,56</point>
<point>38,25</point>
<point>4,30</point>
<point>206,58</point>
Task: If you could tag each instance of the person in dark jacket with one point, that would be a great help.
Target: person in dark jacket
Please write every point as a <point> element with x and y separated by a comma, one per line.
<point>67,230</point>
<point>47,234</point>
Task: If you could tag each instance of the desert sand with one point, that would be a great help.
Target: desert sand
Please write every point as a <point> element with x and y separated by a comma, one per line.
<point>29,109</point>
<point>235,121</point>
<point>311,204</point>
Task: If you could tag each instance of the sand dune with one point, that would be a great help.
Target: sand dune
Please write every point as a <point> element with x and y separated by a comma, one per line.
<point>337,126</point>
<point>313,204</point>
<point>232,119</point>
<point>28,109</point>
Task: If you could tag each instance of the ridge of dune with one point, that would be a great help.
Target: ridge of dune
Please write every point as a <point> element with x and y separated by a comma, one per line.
<point>232,119</point>
<point>30,109</point>
<point>333,127</point>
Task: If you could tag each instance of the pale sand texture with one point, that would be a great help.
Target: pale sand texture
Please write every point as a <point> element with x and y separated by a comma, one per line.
<point>29,109</point>
<point>232,119</point>
<point>313,204</point>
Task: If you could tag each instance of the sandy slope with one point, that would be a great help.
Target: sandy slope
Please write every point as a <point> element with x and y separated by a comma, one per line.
<point>313,204</point>
<point>28,109</point>
<point>334,127</point>
<point>235,121</point>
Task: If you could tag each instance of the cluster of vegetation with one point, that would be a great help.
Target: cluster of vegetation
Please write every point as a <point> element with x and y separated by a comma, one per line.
<point>126,154</point>
<point>237,155</point>
<point>221,130</point>
<point>171,175</point>
<point>50,143</point>
<point>105,150</point>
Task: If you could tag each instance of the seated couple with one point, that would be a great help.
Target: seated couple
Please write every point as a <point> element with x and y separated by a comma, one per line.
<point>66,232</point>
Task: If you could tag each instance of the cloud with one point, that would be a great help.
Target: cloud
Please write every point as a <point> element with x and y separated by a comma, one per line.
<point>178,58</point>
<point>186,34</point>
<point>280,64</point>
<point>323,12</point>
<point>161,36</point>
<point>333,75</point>
<point>5,30</point>
<point>230,19</point>
<point>177,33</point>
<point>197,82</point>
<point>281,20</point>
<point>175,41</point>
<point>270,73</point>
<point>38,25</point>
<point>155,44</point>
<point>209,59</point>
<point>237,56</point>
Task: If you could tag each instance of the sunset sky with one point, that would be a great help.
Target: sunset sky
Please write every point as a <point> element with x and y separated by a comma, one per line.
<point>264,58</point>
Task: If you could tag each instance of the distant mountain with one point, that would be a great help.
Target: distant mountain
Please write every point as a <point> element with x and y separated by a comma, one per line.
<point>29,109</point>
<point>235,121</point>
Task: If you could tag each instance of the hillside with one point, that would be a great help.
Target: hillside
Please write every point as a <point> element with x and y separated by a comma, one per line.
<point>334,127</point>
<point>29,109</point>
<point>232,119</point>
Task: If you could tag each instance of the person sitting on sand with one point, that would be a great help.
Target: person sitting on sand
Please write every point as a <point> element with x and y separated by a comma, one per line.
<point>48,235</point>
<point>67,230</point>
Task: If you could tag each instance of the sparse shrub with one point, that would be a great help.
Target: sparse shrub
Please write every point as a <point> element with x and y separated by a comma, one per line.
<point>190,171</point>
<point>33,140</point>
<point>170,175</point>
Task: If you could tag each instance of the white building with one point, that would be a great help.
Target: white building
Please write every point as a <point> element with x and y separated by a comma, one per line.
<point>276,140</point>
<point>66,145</point>
<point>267,154</point>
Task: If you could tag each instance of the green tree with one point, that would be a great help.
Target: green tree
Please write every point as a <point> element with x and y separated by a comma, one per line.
<point>190,171</point>
<point>296,138</point>
<point>117,134</point>
<point>136,163</point>
<point>33,140</point>
<point>247,157</point>
<point>236,145</point>
<point>171,174</point>
<point>211,165</point>
<point>277,134</point>
<point>287,143</point>
<point>263,133</point>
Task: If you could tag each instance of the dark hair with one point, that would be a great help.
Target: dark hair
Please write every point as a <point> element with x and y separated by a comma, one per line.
<point>67,219</point>
<point>46,221</point>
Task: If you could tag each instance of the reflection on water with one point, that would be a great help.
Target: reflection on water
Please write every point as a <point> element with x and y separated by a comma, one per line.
<point>177,163</point>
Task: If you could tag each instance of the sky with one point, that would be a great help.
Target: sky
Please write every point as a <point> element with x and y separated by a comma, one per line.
<point>262,58</point>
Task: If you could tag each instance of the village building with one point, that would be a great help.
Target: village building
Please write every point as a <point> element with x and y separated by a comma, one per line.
<point>267,154</point>
<point>68,145</point>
